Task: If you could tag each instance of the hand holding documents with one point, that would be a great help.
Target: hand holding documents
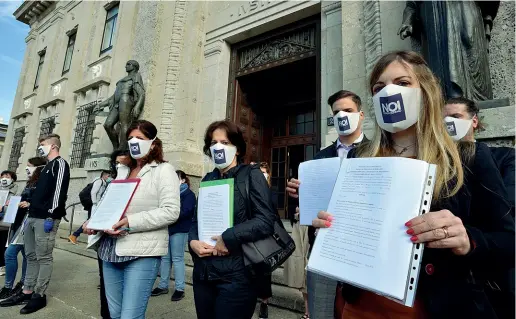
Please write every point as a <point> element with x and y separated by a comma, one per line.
<point>366,245</point>
<point>317,180</point>
<point>113,204</point>
<point>215,209</point>
<point>12,209</point>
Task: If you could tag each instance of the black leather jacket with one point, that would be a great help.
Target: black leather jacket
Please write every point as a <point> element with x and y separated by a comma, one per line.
<point>260,226</point>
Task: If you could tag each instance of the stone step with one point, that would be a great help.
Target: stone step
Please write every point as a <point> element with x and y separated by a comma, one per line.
<point>282,296</point>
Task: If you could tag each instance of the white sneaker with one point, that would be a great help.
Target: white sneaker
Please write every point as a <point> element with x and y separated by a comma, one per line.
<point>2,271</point>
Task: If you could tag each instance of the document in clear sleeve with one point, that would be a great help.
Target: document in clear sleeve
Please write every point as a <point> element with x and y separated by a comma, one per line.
<point>12,209</point>
<point>113,204</point>
<point>317,179</point>
<point>367,245</point>
<point>4,194</point>
<point>215,209</point>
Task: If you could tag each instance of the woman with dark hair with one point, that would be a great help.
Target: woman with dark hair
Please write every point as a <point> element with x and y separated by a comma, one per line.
<point>34,167</point>
<point>178,234</point>
<point>223,286</point>
<point>131,251</point>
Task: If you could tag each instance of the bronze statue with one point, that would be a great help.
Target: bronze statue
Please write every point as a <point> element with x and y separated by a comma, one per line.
<point>125,105</point>
<point>455,38</point>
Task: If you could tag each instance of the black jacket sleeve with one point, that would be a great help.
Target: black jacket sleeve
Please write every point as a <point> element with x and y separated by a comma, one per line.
<point>61,177</point>
<point>261,225</point>
<point>492,229</point>
<point>187,207</point>
<point>504,158</point>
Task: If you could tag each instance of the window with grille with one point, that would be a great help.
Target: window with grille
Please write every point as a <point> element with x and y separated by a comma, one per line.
<point>47,126</point>
<point>40,67</point>
<point>108,38</point>
<point>19,133</point>
<point>83,135</point>
<point>69,52</point>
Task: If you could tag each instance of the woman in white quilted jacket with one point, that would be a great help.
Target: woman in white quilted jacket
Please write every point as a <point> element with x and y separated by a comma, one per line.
<point>131,251</point>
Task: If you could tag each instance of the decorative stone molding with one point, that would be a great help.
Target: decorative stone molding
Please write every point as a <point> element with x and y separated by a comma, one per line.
<point>31,9</point>
<point>21,115</point>
<point>372,33</point>
<point>213,48</point>
<point>167,125</point>
<point>52,101</point>
<point>95,83</point>
<point>72,31</point>
<point>330,7</point>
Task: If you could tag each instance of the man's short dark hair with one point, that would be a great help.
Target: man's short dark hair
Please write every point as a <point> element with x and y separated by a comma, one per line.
<point>344,94</point>
<point>471,108</point>
<point>105,172</point>
<point>10,173</point>
<point>234,134</point>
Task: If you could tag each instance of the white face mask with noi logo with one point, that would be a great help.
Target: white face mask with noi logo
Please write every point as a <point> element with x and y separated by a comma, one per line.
<point>397,107</point>
<point>346,123</point>
<point>222,155</point>
<point>139,148</point>
<point>457,128</point>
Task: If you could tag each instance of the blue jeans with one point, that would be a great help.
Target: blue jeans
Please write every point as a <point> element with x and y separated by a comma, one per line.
<point>128,286</point>
<point>176,249</point>
<point>11,264</point>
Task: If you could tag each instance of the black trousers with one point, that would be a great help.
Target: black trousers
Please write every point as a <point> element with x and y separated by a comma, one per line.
<point>4,232</point>
<point>104,309</point>
<point>217,299</point>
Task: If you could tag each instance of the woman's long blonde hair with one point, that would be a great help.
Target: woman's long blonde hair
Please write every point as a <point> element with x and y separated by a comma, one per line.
<point>433,144</point>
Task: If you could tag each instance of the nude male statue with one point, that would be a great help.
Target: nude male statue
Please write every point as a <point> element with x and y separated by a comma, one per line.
<point>125,105</point>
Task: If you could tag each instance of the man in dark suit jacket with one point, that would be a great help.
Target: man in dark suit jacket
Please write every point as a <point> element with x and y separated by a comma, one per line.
<point>347,118</point>
<point>504,158</point>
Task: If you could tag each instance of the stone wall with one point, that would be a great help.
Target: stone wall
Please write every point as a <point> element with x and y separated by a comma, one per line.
<point>501,52</point>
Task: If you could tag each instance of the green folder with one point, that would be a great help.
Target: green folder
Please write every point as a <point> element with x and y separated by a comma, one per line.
<point>231,183</point>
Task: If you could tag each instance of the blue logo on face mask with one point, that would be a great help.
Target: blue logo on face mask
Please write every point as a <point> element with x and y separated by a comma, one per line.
<point>393,110</point>
<point>450,126</point>
<point>343,123</point>
<point>219,156</point>
<point>135,148</point>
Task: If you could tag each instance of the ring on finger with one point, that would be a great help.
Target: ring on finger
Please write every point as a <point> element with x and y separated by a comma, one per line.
<point>445,230</point>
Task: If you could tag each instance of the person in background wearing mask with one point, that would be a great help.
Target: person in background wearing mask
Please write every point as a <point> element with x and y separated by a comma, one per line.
<point>97,190</point>
<point>131,251</point>
<point>45,212</point>
<point>461,122</point>
<point>223,287</point>
<point>466,228</point>
<point>348,118</point>
<point>121,164</point>
<point>34,167</point>
<point>7,182</point>
<point>178,234</point>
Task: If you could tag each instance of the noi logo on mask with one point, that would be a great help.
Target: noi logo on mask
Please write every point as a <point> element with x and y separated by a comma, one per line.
<point>393,110</point>
<point>135,149</point>
<point>452,130</point>
<point>219,156</point>
<point>343,123</point>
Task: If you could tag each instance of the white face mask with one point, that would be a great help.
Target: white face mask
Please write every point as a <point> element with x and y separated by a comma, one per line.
<point>6,181</point>
<point>122,171</point>
<point>44,150</point>
<point>397,108</point>
<point>30,170</point>
<point>346,123</point>
<point>457,128</point>
<point>139,148</point>
<point>222,155</point>
<point>266,175</point>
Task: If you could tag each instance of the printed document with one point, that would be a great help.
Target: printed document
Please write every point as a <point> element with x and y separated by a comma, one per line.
<point>12,209</point>
<point>317,179</point>
<point>113,204</point>
<point>215,209</point>
<point>367,245</point>
<point>4,194</point>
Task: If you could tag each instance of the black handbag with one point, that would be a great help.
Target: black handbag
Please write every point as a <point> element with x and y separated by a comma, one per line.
<point>265,255</point>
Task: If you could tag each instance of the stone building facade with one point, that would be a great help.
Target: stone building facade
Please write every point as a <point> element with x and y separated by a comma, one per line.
<point>76,52</point>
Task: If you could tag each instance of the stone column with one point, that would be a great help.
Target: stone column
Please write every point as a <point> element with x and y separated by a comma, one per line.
<point>331,63</point>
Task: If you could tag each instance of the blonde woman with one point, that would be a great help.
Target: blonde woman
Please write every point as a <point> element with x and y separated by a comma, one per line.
<point>459,238</point>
